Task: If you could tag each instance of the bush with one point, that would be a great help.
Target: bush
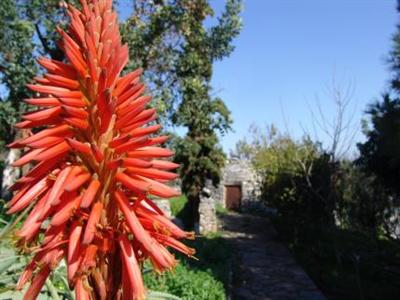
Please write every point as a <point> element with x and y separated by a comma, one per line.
<point>296,175</point>
<point>203,278</point>
<point>187,284</point>
<point>364,204</point>
<point>344,264</point>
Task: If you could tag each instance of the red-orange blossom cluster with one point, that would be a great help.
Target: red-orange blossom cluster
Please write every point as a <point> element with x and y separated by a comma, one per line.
<point>94,163</point>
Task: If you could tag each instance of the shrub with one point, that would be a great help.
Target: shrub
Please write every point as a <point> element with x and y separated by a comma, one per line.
<point>203,278</point>
<point>187,284</point>
<point>296,175</point>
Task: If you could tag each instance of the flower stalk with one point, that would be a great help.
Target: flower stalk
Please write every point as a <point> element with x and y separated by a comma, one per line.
<point>94,164</point>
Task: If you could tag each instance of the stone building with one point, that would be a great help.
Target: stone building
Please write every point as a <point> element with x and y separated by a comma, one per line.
<point>239,188</point>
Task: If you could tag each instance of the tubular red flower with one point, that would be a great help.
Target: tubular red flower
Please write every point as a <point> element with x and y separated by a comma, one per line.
<point>90,193</point>
<point>131,268</point>
<point>94,161</point>
<point>94,218</point>
<point>37,283</point>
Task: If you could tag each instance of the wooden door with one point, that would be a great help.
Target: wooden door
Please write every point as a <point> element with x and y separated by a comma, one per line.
<point>233,197</point>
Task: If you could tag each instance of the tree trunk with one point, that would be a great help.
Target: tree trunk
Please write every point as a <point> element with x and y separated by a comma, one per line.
<point>194,202</point>
<point>10,174</point>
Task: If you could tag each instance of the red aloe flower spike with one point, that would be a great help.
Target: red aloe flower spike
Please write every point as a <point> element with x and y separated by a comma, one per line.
<point>135,162</point>
<point>37,283</point>
<point>30,195</point>
<point>164,165</point>
<point>100,284</point>
<point>81,292</point>
<point>131,268</point>
<point>94,161</point>
<point>58,187</point>
<point>90,193</point>
<point>94,219</point>
<point>65,211</point>
<point>74,251</point>
<point>28,157</point>
<point>77,182</point>
<point>43,102</point>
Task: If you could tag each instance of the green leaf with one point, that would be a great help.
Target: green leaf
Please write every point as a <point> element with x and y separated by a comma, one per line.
<point>154,295</point>
<point>8,262</point>
<point>52,289</point>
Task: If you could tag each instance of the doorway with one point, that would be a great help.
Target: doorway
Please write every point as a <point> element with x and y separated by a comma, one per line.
<point>233,197</point>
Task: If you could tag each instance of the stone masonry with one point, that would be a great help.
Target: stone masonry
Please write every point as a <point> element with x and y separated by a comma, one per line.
<point>239,173</point>
<point>207,211</point>
<point>236,172</point>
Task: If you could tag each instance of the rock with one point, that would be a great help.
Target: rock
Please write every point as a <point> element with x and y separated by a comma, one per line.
<point>164,205</point>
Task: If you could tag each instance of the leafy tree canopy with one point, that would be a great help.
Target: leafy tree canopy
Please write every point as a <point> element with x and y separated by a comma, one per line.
<point>380,154</point>
<point>169,39</point>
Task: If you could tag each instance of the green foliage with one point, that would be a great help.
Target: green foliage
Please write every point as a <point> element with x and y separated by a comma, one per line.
<point>8,116</point>
<point>380,154</point>
<point>220,209</point>
<point>344,264</point>
<point>177,204</point>
<point>158,33</point>
<point>394,59</point>
<point>205,278</point>
<point>296,175</point>
<point>332,216</point>
<point>272,152</point>
<point>12,264</point>
<point>203,116</point>
<point>171,42</point>
<point>301,182</point>
<point>364,204</point>
<point>187,283</point>
<point>16,65</point>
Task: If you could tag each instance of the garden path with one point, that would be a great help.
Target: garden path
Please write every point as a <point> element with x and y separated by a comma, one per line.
<point>263,268</point>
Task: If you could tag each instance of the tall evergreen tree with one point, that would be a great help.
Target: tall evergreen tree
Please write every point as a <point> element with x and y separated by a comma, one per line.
<point>204,116</point>
<point>394,57</point>
<point>169,39</point>
<point>16,69</point>
<point>380,153</point>
<point>175,33</point>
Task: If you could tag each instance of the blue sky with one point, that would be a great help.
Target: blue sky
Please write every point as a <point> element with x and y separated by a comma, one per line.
<point>288,53</point>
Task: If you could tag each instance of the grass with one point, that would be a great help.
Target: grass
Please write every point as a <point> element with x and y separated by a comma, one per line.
<point>202,279</point>
<point>345,264</point>
<point>177,204</point>
<point>221,210</point>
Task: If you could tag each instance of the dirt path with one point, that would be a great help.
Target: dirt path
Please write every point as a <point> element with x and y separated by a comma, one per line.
<point>264,268</point>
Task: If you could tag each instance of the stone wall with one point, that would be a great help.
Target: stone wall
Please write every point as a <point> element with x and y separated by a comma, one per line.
<point>208,215</point>
<point>164,205</point>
